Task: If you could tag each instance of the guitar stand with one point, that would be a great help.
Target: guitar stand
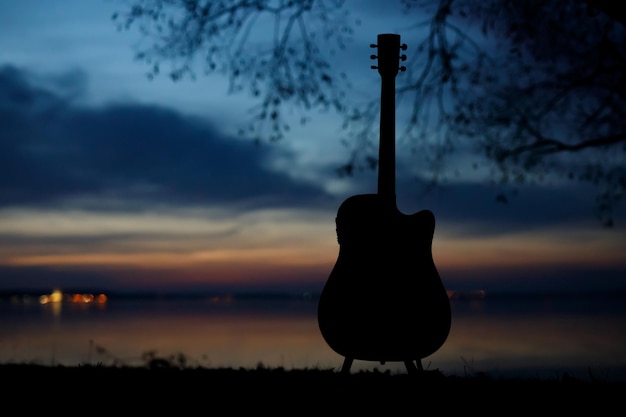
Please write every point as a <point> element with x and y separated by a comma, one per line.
<point>411,367</point>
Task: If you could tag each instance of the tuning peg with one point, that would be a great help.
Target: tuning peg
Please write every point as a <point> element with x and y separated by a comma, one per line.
<point>374,67</point>
<point>403,47</point>
<point>373,57</point>
<point>403,57</point>
<point>403,68</point>
<point>373,45</point>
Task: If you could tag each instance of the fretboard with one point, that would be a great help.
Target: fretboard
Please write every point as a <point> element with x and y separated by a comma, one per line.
<point>387,145</point>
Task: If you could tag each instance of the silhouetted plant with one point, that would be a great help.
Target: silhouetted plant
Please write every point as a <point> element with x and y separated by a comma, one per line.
<point>100,350</point>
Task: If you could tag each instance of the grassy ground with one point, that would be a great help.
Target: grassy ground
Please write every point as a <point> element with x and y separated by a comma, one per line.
<point>108,389</point>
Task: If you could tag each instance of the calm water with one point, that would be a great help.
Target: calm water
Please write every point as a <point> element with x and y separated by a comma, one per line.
<point>502,336</point>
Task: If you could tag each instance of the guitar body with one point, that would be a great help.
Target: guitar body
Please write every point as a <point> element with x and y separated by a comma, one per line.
<point>384,299</point>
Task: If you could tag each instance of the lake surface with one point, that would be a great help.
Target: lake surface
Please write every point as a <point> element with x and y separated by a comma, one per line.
<point>536,336</point>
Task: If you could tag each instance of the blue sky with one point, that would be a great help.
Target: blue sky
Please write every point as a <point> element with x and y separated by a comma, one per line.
<point>113,181</point>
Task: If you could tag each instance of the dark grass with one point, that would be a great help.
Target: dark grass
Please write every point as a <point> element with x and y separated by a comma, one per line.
<point>212,391</point>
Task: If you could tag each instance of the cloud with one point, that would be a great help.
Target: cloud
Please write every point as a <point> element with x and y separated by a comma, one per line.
<point>54,150</point>
<point>55,153</point>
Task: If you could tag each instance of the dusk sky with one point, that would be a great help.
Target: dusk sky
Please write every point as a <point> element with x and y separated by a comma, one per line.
<point>111,181</point>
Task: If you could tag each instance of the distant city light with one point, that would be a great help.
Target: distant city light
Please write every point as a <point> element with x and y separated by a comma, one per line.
<point>57,296</point>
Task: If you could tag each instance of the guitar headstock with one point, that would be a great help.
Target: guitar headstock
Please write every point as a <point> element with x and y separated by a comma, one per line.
<point>389,54</point>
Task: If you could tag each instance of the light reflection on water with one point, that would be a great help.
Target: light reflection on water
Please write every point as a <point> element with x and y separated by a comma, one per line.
<point>506,336</point>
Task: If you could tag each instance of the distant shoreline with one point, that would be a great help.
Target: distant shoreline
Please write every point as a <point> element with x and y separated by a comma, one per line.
<point>7,295</point>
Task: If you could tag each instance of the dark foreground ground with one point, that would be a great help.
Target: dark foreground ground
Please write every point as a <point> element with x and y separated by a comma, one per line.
<point>104,390</point>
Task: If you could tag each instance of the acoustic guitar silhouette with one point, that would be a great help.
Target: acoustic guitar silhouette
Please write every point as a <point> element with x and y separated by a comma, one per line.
<point>384,300</point>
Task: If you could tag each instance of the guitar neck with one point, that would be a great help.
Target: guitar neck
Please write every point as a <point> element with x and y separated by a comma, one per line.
<point>387,145</point>
<point>388,66</point>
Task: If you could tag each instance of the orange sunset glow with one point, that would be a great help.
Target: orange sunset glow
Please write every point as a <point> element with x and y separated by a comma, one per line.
<point>187,250</point>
